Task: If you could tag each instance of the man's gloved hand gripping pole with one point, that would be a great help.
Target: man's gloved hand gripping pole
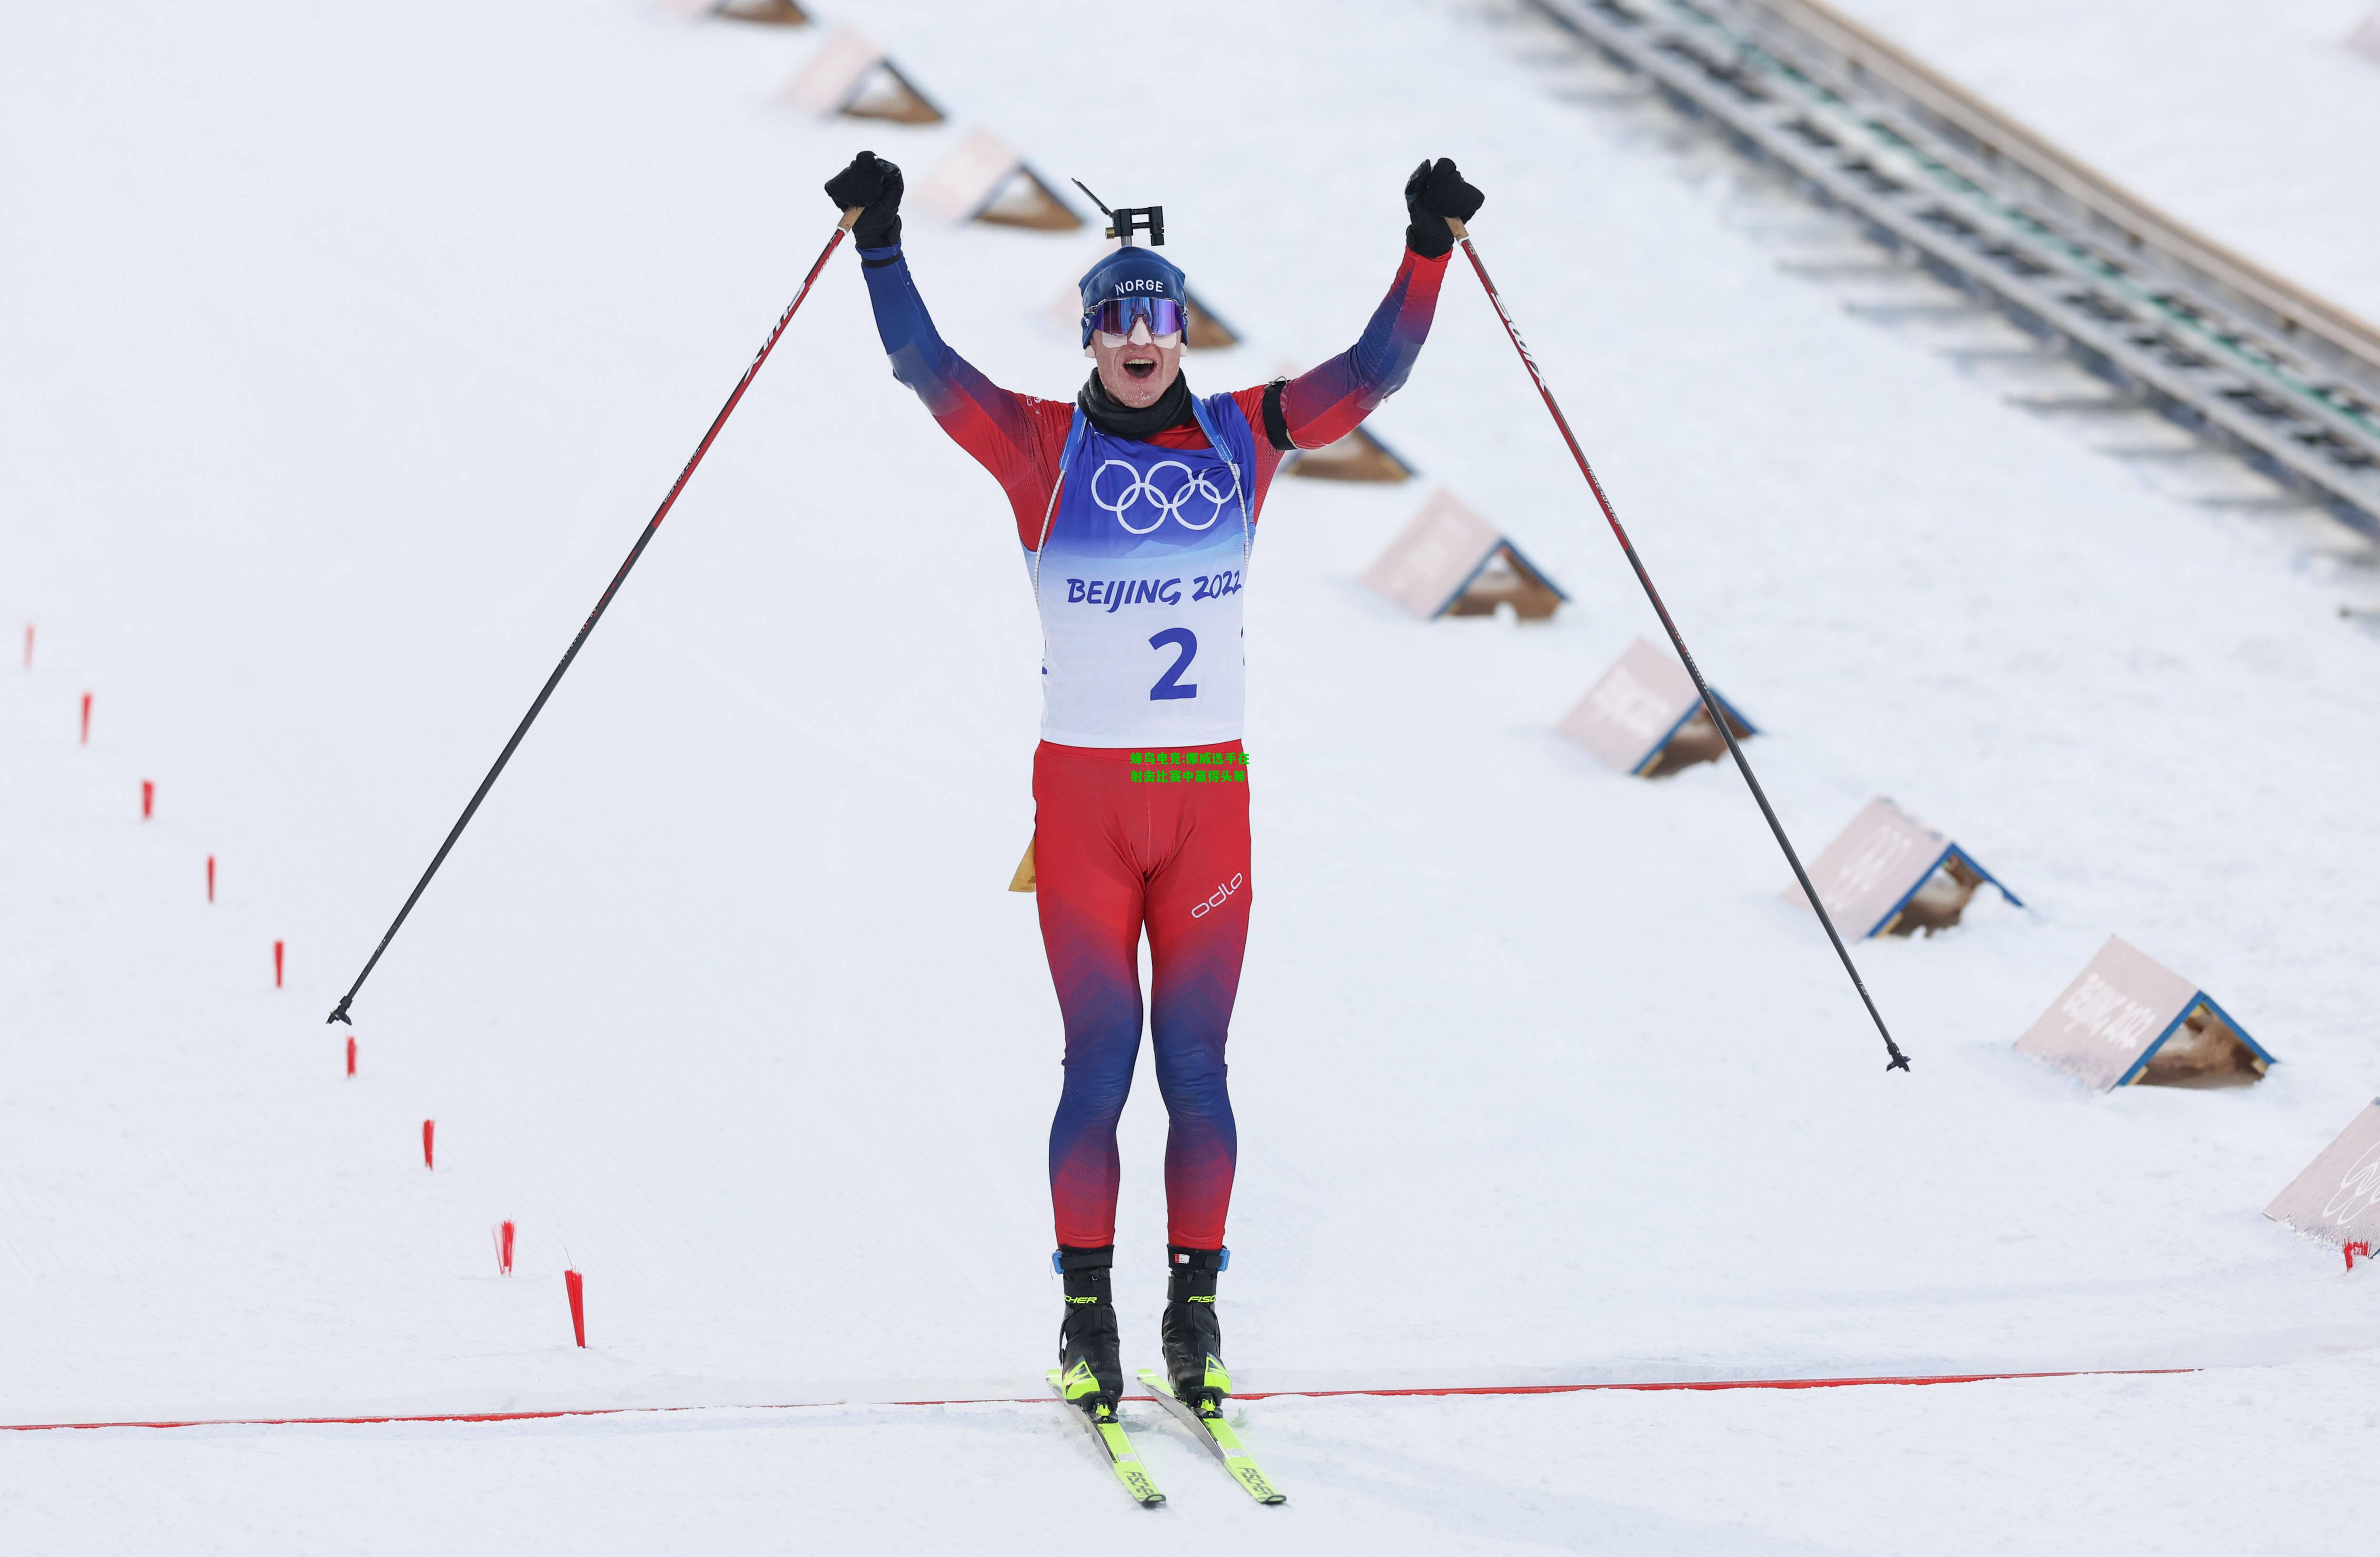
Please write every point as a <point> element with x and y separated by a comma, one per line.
<point>1436,196</point>
<point>870,187</point>
<point>855,211</point>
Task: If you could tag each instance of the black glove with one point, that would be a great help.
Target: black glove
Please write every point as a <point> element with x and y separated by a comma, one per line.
<point>872,182</point>
<point>1435,192</point>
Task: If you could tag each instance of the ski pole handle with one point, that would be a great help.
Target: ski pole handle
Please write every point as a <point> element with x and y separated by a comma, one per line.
<point>1454,225</point>
<point>851,217</point>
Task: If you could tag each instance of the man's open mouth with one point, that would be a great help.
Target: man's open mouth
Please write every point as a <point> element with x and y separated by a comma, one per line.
<point>1140,367</point>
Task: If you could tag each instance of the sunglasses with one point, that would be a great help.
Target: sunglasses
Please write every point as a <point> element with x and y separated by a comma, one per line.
<point>1115,316</point>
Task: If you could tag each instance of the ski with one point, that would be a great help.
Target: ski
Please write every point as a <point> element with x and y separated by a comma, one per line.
<point>1110,1435</point>
<point>1215,1434</point>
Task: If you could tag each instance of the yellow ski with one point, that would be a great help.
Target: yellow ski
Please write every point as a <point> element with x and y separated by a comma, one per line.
<point>1216,1435</point>
<point>1108,1433</point>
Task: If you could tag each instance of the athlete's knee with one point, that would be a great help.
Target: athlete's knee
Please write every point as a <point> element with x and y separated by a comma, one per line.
<point>1095,1087</point>
<point>1193,1081</point>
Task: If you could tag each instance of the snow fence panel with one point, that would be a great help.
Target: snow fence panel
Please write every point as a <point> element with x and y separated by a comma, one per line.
<point>1871,876</point>
<point>2338,1197</point>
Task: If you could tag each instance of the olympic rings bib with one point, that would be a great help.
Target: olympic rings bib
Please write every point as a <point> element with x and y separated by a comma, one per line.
<point>1155,496</point>
<point>1139,583</point>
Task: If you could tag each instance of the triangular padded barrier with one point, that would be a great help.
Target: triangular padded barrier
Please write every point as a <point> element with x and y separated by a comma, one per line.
<point>2127,1020</point>
<point>1888,873</point>
<point>1450,562</point>
<point>1359,457</point>
<point>1023,201</point>
<point>982,181</point>
<point>850,75</point>
<point>2336,1198</point>
<point>885,93</point>
<point>1643,716</point>
<point>775,13</point>
<point>1207,331</point>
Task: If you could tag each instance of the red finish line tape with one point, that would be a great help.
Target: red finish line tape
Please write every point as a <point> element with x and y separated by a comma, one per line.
<point>1053,1400</point>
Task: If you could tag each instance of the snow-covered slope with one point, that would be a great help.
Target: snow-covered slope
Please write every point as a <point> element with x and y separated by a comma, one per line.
<point>346,349</point>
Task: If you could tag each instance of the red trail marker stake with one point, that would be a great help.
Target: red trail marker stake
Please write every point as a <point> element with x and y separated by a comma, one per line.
<point>211,878</point>
<point>28,646</point>
<point>148,799</point>
<point>86,719</point>
<point>577,1289</point>
<point>351,1056</point>
<point>428,1142</point>
<point>504,1231</point>
<point>276,965</point>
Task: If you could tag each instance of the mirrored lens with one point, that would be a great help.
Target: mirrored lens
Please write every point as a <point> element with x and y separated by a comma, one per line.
<point>1115,315</point>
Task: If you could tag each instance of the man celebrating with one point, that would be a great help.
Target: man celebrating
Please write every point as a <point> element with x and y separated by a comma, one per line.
<point>1136,504</point>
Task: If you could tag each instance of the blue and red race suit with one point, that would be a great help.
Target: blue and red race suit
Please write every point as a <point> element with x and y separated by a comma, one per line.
<point>1138,552</point>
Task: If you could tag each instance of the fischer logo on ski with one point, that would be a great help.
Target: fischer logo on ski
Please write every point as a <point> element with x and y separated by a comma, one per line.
<point>1099,1419</point>
<point>1216,1435</point>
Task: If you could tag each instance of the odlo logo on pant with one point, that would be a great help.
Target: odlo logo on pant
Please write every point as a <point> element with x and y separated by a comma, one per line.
<point>1223,895</point>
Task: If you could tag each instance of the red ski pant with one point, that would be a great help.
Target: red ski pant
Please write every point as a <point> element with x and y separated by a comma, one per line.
<point>1128,841</point>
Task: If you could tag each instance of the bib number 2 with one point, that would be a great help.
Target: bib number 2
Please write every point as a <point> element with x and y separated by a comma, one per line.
<point>1170,684</point>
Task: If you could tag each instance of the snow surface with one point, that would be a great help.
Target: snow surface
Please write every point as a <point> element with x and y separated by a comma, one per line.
<point>2254,123</point>
<point>348,349</point>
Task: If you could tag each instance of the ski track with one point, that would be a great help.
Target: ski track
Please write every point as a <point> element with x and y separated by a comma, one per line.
<point>348,348</point>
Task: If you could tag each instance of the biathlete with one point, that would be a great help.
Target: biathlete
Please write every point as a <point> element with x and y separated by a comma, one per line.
<point>1136,504</point>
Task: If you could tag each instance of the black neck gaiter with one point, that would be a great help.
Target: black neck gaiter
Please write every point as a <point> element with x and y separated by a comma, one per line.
<point>1112,415</point>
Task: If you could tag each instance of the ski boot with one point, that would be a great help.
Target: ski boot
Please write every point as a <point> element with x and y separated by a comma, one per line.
<point>1090,1361</point>
<point>1191,1331</point>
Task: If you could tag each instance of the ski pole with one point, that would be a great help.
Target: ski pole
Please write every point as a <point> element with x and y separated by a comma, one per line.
<point>1898,1060</point>
<point>339,1012</point>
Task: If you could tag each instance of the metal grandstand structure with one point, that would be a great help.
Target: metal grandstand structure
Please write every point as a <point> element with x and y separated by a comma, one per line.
<point>2175,321</point>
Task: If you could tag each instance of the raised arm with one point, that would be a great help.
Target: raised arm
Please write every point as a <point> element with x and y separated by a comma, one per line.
<point>1325,404</point>
<point>1017,437</point>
